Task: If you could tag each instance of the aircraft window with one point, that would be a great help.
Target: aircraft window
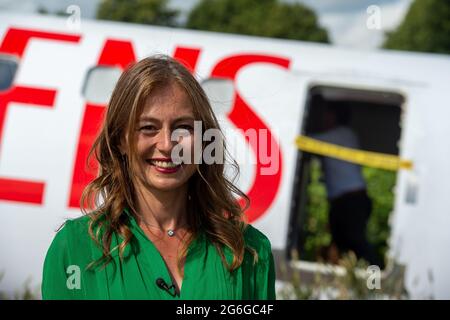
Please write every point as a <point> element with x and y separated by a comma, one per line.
<point>220,93</point>
<point>99,84</point>
<point>8,68</point>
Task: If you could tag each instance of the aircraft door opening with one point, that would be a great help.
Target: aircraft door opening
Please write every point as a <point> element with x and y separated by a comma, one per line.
<point>341,206</point>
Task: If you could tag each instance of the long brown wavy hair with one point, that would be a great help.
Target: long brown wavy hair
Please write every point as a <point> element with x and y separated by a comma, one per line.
<point>212,208</point>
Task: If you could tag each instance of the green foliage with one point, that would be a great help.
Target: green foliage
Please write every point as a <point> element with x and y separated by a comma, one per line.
<point>42,10</point>
<point>26,293</point>
<point>380,184</point>
<point>426,28</point>
<point>153,12</point>
<point>269,18</point>
<point>317,234</point>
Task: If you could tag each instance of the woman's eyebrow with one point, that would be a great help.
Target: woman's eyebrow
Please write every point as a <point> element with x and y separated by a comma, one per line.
<point>183,118</point>
<point>152,119</point>
<point>148,119</point>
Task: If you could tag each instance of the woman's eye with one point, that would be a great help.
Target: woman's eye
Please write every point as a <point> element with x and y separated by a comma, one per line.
<point>148,128</point>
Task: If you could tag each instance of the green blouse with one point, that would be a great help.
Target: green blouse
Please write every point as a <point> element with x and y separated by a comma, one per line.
<point>65,274</point>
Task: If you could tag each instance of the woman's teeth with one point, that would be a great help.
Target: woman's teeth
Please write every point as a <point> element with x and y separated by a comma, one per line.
<point>164,164</point>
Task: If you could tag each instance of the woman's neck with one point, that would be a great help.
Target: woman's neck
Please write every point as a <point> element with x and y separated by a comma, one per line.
<point>163,209</point>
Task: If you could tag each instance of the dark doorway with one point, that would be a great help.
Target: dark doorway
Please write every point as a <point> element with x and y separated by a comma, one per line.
<point>375,118</point>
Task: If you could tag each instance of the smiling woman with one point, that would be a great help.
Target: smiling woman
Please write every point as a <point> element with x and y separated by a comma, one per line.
<point>149,220</point>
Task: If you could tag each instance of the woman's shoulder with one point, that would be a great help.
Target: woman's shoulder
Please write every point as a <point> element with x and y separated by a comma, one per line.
<point>252,234</point>
<point>74,232</point>
<point>77,226</point>
<point>69,254</point>
<point>257,240</point>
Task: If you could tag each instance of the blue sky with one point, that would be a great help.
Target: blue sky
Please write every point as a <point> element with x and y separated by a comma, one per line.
<point>345,20</point>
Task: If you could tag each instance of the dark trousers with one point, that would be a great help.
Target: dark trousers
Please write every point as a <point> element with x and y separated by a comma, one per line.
<point>349,215</point>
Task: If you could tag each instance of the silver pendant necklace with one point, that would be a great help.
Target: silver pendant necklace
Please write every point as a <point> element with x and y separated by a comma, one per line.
<point>170,232</point>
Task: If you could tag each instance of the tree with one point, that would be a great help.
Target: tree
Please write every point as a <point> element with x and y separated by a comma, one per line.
<point>269,18</point>
<point>425,28</point>
<point>139,11</point>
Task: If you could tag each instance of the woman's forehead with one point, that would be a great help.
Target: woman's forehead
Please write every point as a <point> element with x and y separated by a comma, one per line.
<point>168,101</point>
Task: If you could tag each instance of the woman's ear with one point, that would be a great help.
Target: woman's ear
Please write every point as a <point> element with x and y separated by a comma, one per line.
<point>122,146</point>
<point>121,149</point>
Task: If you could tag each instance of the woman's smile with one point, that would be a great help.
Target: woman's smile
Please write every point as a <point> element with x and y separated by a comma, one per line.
<point>164,165</point>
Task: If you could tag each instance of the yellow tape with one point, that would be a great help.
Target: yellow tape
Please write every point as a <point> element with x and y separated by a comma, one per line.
<point>367,158</point>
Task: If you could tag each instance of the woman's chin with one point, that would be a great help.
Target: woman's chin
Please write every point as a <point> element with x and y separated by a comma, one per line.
<point>169,179</point>
<point>165,184</point>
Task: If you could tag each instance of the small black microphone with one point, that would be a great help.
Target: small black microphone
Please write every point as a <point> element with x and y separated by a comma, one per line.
<point>163,285</point>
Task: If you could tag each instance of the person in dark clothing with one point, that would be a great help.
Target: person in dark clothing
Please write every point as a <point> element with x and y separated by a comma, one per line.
<point>350,206</point>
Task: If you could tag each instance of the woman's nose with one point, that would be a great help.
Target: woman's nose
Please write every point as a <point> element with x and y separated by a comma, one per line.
<point>165,143</point>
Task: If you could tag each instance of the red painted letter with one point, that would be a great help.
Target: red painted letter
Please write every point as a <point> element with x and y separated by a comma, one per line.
<point>15,43</point>
<point>265,187</point>
<point>116,54</point>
